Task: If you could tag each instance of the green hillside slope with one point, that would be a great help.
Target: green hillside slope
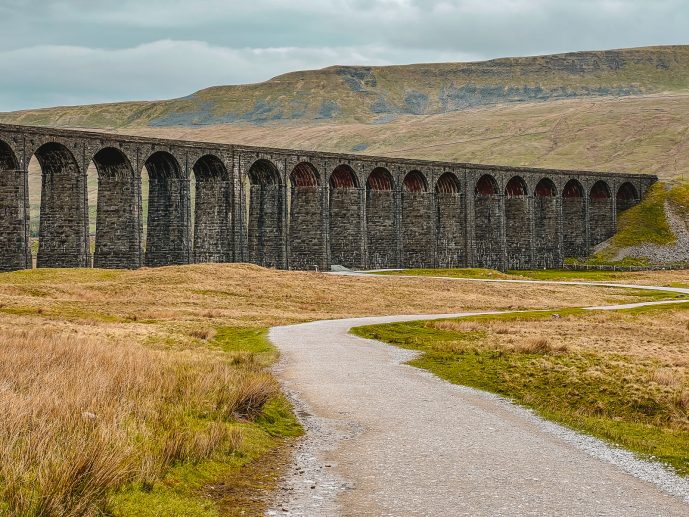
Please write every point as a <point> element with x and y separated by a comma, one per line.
<point>381,94</point>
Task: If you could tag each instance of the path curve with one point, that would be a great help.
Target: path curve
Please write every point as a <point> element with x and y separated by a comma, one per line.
<point>385,438</point>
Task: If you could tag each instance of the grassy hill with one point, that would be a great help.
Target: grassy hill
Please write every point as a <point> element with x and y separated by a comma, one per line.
<point>381,94</point>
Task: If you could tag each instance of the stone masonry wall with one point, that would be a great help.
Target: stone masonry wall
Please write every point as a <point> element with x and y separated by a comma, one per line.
<point>422,214</point>
<point>381,234</point>
<point>417,230</point>
<point>547,252</point>
<point>487,237</point>
<point>306,229</point>
<point>450,224</point>
<point>345,227</point>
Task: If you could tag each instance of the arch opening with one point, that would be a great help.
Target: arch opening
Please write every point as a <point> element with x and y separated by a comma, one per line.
<point>415,181</point>
<point>63,227</point>
<point>380,179</point>
<point>169,213</point>
<point>486,186</point>
<point>118,211</point>
<point>447,184</point>
<point>600,190</point>
<point>304,174</point>
<point>264,172</point>
<point>516,187</point>
<point>545,188</point>
<point>573,189</point>
<point>343,177</point>
<point>212,241</point>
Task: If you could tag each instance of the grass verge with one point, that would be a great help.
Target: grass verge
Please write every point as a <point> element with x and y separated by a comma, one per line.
<point>627,382</point>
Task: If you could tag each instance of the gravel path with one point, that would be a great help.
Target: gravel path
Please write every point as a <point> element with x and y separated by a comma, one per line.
<point>384,438</point>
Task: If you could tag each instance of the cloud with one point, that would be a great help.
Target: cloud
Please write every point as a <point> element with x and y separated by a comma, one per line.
<point>75,51</point>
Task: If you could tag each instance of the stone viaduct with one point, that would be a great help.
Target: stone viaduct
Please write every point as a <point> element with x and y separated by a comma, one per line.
<point>293,209</point>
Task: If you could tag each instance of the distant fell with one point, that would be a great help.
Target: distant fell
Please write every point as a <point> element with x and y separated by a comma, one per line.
<point>355,94</point>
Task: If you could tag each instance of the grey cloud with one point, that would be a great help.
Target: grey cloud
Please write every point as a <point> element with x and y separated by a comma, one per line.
<point>162,48</point>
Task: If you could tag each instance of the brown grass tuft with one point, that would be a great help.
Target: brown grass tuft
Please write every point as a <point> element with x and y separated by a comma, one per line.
<point>538,345</point>
<point>81,416</point>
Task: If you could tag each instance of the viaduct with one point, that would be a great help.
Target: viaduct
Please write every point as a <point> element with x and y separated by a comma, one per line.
<point>293,209</point>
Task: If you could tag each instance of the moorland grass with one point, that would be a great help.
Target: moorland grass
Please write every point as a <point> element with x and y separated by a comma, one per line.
<point>626,382</point>
<point>147,392</point>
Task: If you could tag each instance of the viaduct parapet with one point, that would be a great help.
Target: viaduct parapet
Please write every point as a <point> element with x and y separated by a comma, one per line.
<point>293,209</point>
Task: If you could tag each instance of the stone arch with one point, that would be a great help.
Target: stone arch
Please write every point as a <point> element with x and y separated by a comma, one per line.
<point>64,235</point>
<point>601,221</point>
<point>381,235</point>
<point>417,222</point>
<point>517,224</point>
<point>169,212</point>
<point>487,223</point>
<point>573,220</point>
<point>266,215</point>
<point>306,219</point>
<point>627,196</point>
<point>345,207</point>
<point>118,211</point>
<point>15,252</point>
<point>547,253</point>
<point>447,183</point>
<point>415,181</point>
<point>212,211</point>
<point>449,222</point>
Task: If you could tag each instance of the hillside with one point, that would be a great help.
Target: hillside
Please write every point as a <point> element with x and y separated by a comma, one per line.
<point>381,94</point>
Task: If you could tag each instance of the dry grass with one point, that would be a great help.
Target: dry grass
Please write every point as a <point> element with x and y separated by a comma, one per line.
<point>81,416</point>
<point>119,377</point>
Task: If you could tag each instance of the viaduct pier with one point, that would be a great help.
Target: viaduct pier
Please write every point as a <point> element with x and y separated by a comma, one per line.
<point>293,209</point>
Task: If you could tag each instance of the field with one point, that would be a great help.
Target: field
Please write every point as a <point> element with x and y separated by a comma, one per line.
<point>622,376</point>
<point>148,392</point>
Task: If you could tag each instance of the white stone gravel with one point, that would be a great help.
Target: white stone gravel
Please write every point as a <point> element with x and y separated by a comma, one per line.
<point>384,438</point>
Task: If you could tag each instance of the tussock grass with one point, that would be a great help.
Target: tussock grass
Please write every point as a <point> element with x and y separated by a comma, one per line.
<point>622,376</point>
<point>82,416</point>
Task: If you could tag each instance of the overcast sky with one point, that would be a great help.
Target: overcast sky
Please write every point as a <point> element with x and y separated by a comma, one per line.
<point>84,51</point>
